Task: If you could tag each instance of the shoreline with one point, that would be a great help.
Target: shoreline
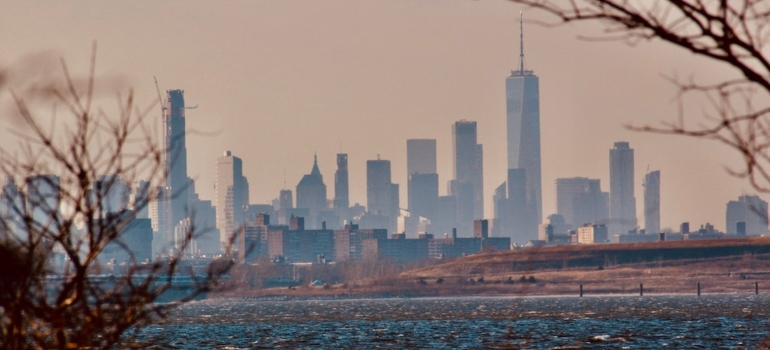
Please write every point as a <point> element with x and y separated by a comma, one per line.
<point>331,297</point>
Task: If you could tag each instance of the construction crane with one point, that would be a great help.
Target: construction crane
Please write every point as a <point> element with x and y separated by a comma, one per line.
<point>160,99</point>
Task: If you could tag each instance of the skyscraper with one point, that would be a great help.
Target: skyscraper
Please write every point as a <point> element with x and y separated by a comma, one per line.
<point>422,178</point>
<point>285,200</point>
<point>520,221</point>
<point>652,202</point>
<point>381,193</point>
<point>232,196</point>
<point>580,201</point>
<point>110,194</point>
<point>341,189</point>
<point>175,160</point>
<point>622,200</point>
<point>43,198</point>
<point>501,216</point>
<point>158,212</point>
<point>423,195</point>
<point>468,183</point>
<point>522,89</point>
<point>420,156</point>
<point>311,195</point>
<point>749,209</point>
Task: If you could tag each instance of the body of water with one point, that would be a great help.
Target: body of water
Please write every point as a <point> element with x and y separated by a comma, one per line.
<point>649,322</point>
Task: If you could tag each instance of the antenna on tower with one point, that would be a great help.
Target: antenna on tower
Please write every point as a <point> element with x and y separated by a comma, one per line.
<point>521,41</point>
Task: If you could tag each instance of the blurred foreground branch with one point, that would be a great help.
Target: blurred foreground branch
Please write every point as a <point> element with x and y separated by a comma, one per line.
<point>68,218</point>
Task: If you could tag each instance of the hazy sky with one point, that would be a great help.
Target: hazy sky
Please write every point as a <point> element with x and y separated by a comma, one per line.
<point>277,81</point>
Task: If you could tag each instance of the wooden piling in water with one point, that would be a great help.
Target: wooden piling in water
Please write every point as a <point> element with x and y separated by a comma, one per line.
<point>756,288</point>
<point>641,289</point>
<point>698,288</point>
<point>581,290</point>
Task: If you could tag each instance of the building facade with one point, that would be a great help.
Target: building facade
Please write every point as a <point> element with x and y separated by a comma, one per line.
<point>232,196</point>
<point>311,195</point>
<point>581,201</point>
<point>381,193</point>
<point>622,199</point>
<point>749,209</point>
<point>652,202</point>
<point>341,186</point>
<point>422,183</point>
<point>467,185</point>
<point>522,90</point>
<point>175,159</point>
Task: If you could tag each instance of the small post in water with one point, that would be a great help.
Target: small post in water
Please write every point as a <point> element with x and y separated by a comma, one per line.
<point>756,288</point>
<point>641,289</point>
<point>581,290</point>
<point>698,288</point>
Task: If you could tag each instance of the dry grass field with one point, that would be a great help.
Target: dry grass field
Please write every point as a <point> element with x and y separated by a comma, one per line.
<point>720,266</point>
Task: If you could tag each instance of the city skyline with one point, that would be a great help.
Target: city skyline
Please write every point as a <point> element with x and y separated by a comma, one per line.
<point>241,88</point>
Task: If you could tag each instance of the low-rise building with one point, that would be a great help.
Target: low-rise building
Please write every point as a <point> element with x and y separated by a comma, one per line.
<point>348,242</point>
<point>591,234</point>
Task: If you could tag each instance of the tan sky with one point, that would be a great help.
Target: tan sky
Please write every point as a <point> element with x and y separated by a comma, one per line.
<point>277,81</point>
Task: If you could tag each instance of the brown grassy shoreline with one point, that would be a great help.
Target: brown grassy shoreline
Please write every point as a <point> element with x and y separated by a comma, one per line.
<point>727,275</point>
<point>720,266</point>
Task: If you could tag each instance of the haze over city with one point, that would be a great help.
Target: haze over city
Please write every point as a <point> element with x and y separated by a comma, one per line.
<point>277,82</point>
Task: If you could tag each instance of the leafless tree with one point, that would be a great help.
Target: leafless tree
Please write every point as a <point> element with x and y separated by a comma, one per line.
<point>55,229</point>
<point>734,33</point>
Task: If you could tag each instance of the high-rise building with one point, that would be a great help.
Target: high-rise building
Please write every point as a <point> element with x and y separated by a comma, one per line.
<point>175,160</point>
<point>206,233</point>
<point>468,183</point>
<point>140,198</point>
<point>285,200</point>
<point>43,198</point>
<point>423,195</point>
<point>311,195</point>
<point>652,202</point>
<point>422,185</point>
<point>749,209</point>
<point>232,196</point>
<point>522,89</point>
<point>110,193</point>
<point>519,225</point>
<point>381,193</point>
<point>580,201</point>
<point>341,189</point>
<point>158,212</point>
<point>378,180</point>
<point>622,200</point>
<point>420,156</point>
<point>501,216</point>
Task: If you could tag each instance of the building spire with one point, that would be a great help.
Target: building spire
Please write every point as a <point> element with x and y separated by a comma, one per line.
<point>315,170</point>
<point>521,41</point>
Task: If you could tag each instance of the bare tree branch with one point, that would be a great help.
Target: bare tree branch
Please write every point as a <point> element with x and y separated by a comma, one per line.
<point>734,33</point>
<point>57,226</point>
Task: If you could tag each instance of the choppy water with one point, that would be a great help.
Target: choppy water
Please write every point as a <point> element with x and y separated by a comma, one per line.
<point>649,322</point>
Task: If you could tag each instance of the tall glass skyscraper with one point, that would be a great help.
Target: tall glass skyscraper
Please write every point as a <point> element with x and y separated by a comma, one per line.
<point>652,202</point>
<point>622,200</point>
<point>522,89</point>
<point>175,161</point>
<point>232,195</point>
<point>422,178</point>
<point>341,190</point>
<point>468,183</point>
